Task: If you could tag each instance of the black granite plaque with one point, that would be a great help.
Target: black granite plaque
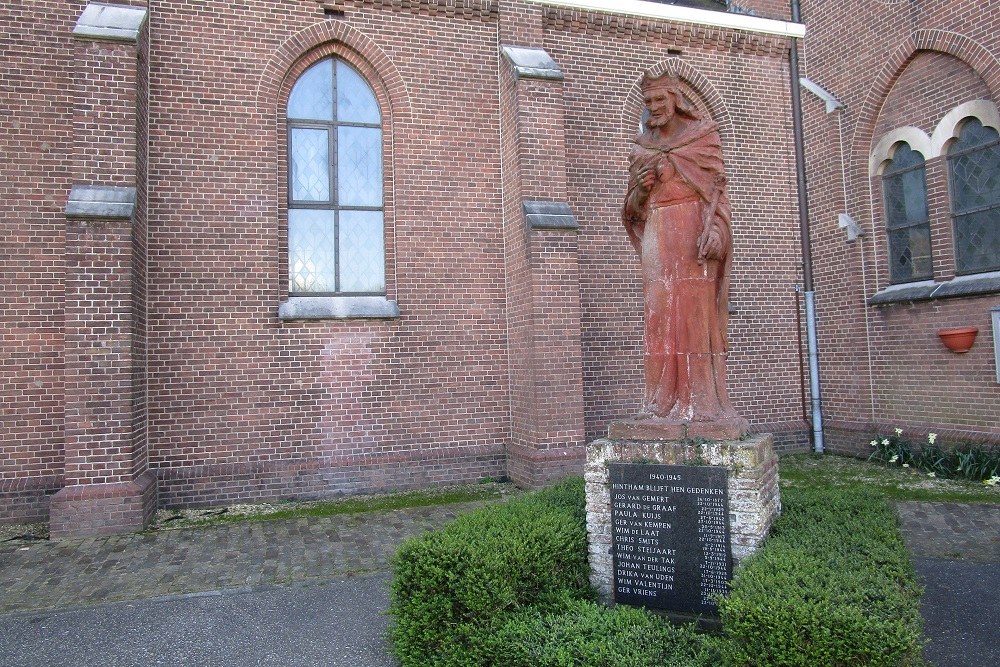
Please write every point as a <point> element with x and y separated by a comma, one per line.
<point>670,535</point>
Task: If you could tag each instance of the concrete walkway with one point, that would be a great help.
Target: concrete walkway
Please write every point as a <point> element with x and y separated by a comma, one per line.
<point>956,553</point>
<point>258,593</point>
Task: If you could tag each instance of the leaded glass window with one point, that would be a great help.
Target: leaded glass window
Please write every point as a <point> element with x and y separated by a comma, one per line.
<point>974,170</point>
<point>335,207</point>
<point>904,187</point>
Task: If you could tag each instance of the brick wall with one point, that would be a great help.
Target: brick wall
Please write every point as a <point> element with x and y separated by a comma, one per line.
<point>743,89</point>
<point>235,404</point>
<point>434,384</point>
<point>36,132</point>
<point>276,408</point>
<point>884,366</point>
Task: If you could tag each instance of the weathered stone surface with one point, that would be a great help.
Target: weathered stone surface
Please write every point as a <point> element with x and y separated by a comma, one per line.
<point>655,428</point>
<point>96,201</point>
<point>532,63</point>
<point>754,500</point>
<point>117,22</point>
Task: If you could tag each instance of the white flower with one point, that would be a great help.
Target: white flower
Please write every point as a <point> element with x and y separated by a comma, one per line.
<point>895,457</point>
<point>931,437</point>
<point>899,431</point>
<point>874,443</point>
<point>906,465</point>
<point>885,442</point>
<point>930,474</point>
<point>992,481</point>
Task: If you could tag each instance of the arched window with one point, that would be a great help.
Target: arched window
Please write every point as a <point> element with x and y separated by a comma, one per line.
<point>335,205</point>
<point>904,187</point>
<point>974,170</point>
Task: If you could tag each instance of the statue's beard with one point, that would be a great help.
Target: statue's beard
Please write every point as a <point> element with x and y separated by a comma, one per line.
<point>662,121</point>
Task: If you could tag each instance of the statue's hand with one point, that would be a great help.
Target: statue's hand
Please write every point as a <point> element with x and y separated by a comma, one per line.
<point>647,177</point>
<point>711,247</point>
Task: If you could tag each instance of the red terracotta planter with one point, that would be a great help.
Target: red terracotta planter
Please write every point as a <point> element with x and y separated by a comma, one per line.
<point>958,340</point>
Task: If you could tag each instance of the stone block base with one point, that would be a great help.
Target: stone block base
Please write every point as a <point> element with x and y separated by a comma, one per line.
<point>657,428</point>
<point>85,510</point>
<point>531,469</point>
<point>754,502</point>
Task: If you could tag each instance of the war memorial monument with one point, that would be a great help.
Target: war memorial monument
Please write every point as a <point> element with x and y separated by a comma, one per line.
<point>679,492</point>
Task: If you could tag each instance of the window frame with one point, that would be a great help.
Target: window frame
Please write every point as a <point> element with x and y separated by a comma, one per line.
<point>333,203</point>
<point>952,156</point>
<point>891,225</point>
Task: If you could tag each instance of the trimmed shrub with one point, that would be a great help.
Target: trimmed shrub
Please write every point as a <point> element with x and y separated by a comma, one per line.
<point>833,586</point>
<point>506,586</point>
<point>454,587</point>
<point>586,634</point>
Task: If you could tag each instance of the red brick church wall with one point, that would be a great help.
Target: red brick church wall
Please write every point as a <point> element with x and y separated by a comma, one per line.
<point>894,64</point>
<point>242,405</point>
<point>36,133</point>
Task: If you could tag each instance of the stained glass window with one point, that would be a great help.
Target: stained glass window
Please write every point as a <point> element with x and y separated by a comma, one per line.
<point>335,207</point>
<point>904,188</point>
<point>974,171</point>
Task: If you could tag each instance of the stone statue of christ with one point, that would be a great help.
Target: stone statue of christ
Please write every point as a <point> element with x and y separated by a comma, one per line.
<point>677,216</point>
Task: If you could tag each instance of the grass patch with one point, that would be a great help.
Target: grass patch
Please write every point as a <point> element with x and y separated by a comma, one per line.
<point>893,482</point>
<point>189,518</point>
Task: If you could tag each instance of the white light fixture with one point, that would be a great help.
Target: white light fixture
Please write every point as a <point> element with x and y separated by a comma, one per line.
<point>846,222</point>
<point>832,103</point>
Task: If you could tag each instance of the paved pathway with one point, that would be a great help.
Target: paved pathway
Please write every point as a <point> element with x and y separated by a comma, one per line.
<point>316,587</point>
<point>334,624</point>
<point>956,553</point>
<point>952,531</point>
<point>244,556</point>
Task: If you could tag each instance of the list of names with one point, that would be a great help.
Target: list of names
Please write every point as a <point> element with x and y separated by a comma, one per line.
<point>670,535</point>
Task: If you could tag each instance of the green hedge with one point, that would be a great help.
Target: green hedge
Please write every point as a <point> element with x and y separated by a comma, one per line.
<point>455,587</point>
<point>506,586</point>
<point>833,586</point>
<point>585,633</point>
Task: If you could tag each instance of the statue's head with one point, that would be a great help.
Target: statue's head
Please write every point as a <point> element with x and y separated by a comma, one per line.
<point>664,97</point>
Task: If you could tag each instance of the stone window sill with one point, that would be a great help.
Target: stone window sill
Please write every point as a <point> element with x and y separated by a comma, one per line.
<point>338,308</point>
<point>928,290</point>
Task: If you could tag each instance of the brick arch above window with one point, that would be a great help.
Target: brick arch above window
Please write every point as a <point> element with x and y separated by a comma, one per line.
<point>951,125</point>
<point>327,38</point>
<point>886,147</point>
<point>974,54</point>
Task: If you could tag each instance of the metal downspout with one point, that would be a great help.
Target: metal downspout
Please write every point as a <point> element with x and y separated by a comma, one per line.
<point>810,294</point>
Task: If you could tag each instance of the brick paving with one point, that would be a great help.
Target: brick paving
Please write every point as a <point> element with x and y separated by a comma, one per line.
<point>83,572</point>
<point>944,538</point>
<point>951,531</point>
<point>956,555</point>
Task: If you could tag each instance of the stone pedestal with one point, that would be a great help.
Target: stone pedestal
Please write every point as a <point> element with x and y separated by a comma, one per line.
<point>754,501</point>
<point>657,428</point>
